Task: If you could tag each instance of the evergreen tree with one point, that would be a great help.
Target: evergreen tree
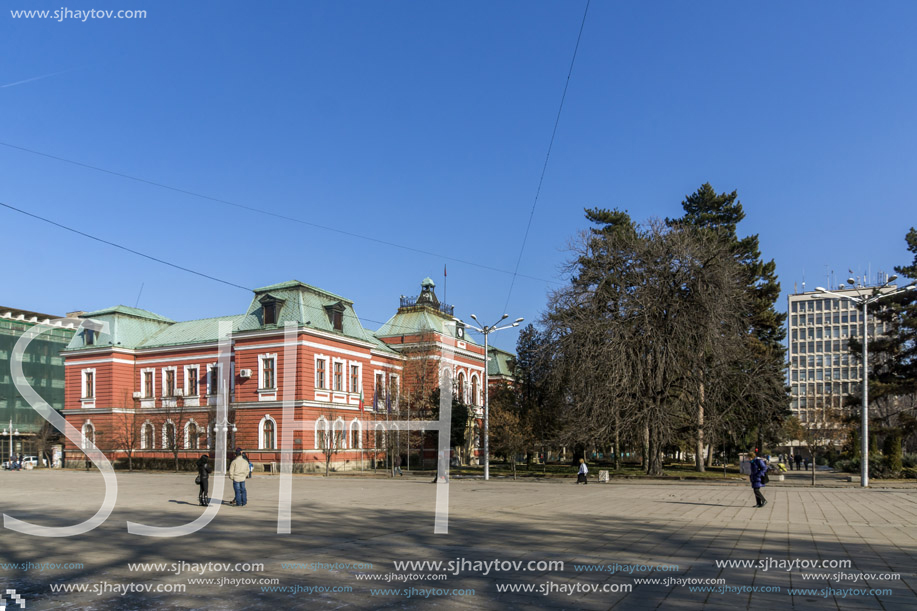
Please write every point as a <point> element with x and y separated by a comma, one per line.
<point>766,403</point>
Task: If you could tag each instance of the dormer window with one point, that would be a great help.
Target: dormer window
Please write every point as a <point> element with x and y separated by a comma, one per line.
<point>90,336</point>
<point>270,309</point>
<point>270,313</point>
<point>336,316</point>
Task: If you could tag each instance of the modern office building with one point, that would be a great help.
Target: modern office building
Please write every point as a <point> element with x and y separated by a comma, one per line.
<point>822,370</point>
<point>43,368</point>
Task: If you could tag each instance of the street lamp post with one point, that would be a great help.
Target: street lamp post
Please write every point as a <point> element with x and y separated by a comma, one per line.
<point>485,331</point>
<point>12,432</point>
<point>864,301</point>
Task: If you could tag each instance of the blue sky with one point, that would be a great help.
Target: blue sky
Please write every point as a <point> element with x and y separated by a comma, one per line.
<point>426,124</point>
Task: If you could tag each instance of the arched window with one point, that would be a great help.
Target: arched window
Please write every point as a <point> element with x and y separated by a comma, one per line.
<point>379,437</point>
<point>474,390</point>
<point>321,433</point>
<point>267,435</point>
<point>89,434</point>
<point>146,436</point>
<point>168,435</point>
<point>461,386</point>
<point>340,438</point>
<point>192,433</point>
<point>356,434</point>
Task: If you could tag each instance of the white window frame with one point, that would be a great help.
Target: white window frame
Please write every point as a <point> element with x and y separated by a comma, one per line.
<point>475,381</point>
<point>320,423</point>
<point>355,424</point>
<point>143,428</point>
<point>327,372</point>
<point>143,387</point>
<point>197,374</point>
<point>83,387</point>
<point>84,445</point>
<point>261,359</point>
<point>344,374</point>
<point>174,371</point>
<point>187,443</point>
<point>359,367</point>
<point>210,367</point>
<point>343,431</point>
<point>165,439</point>
<point>266,418</point>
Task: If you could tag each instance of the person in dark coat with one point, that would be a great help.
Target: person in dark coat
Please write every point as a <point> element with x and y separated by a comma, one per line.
<point>203,471</point>
<point>798,462</point>
<point>758,469</point>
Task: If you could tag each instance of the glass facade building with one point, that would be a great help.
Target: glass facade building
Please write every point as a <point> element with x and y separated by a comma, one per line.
<point>43,368</point>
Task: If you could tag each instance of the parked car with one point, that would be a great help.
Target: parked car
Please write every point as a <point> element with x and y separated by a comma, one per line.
<point>26,460</point>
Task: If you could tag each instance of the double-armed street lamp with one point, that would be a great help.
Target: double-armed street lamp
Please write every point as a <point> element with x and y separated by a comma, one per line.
<point>485,331</point>
<point>864,301</point>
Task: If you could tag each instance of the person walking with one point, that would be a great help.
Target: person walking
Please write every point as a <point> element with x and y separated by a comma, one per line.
<point>398,465</point>
<point>805,462</point>
<point>238,472</point>
<point>203,479</point>
<point>582,475</point>
<point>798,460</point>
<point>758,473</point>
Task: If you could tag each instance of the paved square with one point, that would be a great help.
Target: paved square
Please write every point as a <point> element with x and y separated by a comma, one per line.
<point>348,532</point>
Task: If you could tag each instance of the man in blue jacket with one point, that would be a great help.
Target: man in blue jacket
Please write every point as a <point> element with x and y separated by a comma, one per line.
<point>758,469</point>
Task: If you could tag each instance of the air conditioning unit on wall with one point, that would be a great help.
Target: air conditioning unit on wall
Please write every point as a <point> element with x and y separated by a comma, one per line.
<point>137,395</point>
<point>245,373</point>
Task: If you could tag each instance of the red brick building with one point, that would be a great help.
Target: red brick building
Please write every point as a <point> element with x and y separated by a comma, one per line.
<point>149,385</point>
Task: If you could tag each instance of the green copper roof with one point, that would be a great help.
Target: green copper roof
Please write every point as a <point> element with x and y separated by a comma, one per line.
<point>499,362</point>
<point>294,284</point>
<point>199,331</point>
<point>127,328</point>
<point>127,311</point>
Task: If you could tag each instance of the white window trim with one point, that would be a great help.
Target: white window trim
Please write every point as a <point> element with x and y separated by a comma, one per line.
<point>471,385</point>
<point>197,373</point>
<point>143,387</point>
<point>359,367</point>
<point>143,428</point>
<point>356,424</point>
<point>210,368</point>
<point>261,359</point>
<point>321,423</point>
<point>379,428</point>
<point>174,371</point>
<point>165,439</point>
<point>344,374</point>
<point>267,417</point>
<point>188,434</point>
<point>84,445</point>
<point>83,396</point>
<point>343,430</point>
<point>379,400</point>
<point>322,357</point>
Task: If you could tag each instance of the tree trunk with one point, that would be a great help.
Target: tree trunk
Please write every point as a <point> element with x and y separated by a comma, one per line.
<point>617,441</point>
<point>699,458</point>
<point>646,449</point>
<point>710,455</point>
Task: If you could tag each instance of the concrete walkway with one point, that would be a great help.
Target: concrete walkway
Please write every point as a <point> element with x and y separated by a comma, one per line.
<point>348,533</point>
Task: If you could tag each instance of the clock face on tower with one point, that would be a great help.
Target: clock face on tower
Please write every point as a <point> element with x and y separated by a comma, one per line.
<point>460,332</point>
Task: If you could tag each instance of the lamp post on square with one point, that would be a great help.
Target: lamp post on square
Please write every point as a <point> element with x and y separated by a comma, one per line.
<point>486,331</point>
<point>864,301</point>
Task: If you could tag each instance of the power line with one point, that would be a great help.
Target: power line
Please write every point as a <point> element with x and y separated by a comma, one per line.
<point>546,158</point>
<point>125,248</point>
<point>273,214</point>
<point>164,262</point>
